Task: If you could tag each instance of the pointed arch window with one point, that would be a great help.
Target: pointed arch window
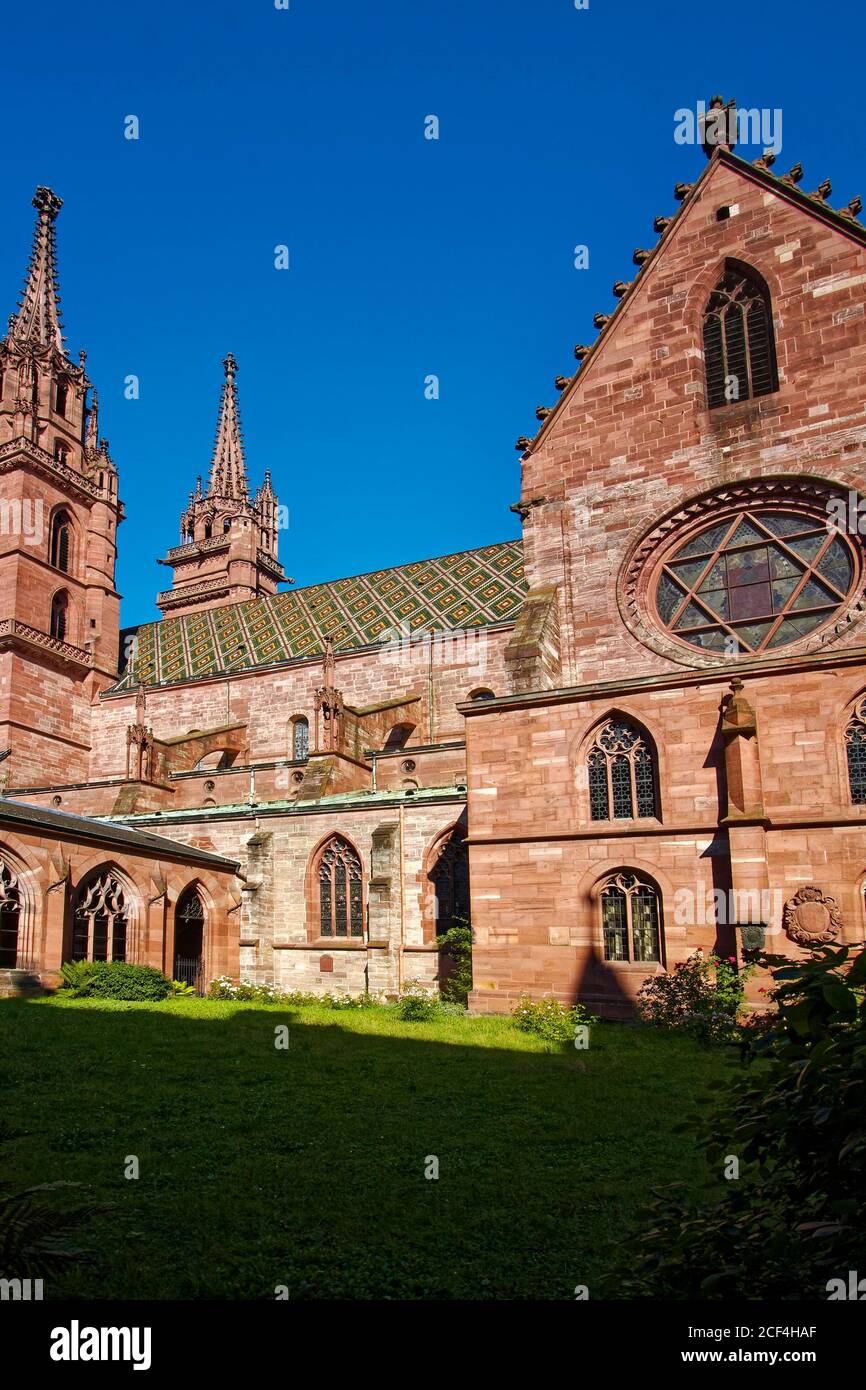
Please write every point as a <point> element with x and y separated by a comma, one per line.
<point>341,890</point>
<point>449,876</point>
<point>630,919</point>
<point>622,773</point>
<point>100,919</point>
<point>61,397</point>
<point>10,917</point>
<point>61,541</point>
<point>855,749</point>
<point>60,616</point>
<point>189,921</point>
<point>739,347</point>
<point>300,740</point>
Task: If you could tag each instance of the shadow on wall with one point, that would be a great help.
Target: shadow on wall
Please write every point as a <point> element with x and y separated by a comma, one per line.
<point>599,987</point>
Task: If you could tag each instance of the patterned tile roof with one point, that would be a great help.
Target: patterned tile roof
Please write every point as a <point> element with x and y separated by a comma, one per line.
<point>471,589</point>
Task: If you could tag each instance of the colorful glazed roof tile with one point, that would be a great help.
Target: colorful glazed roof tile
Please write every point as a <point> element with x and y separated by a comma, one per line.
<point>474,588</point>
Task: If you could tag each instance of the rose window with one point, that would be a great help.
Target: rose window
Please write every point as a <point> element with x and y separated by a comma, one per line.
<point>755,582</point>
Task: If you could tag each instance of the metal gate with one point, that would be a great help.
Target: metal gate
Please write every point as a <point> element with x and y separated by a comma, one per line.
<point>190,972</point>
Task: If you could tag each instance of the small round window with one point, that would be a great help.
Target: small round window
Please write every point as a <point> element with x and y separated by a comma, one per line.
<point>755,582</point>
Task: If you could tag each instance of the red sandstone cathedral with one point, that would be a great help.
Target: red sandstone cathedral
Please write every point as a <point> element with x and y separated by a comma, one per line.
<point>638,734</point>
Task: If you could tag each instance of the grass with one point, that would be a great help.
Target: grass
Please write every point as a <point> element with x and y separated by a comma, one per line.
<point>305,1168</point>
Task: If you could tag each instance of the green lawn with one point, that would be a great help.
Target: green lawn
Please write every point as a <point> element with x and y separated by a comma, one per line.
<point>305,1167</point>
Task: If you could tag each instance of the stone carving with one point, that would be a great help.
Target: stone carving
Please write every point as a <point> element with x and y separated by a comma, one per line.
<point>811,918</point>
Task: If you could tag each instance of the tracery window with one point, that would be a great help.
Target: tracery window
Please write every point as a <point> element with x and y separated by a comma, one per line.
<point>300,740</point>
<point>622,774</point>
<point>341,890</point>
<point>59,616</point>
<point>61,536</point>
<point>855,748</point>
<point>630,919</point>
<point>739,348</point>
<point>100,919</point>
<point>755,582</point>
<point>10,917</point>
<point>449,876</point>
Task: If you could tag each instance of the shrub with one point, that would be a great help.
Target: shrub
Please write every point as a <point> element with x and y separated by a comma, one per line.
<point>549,1019</point>
<point>114,979</point>
<point>417,1005</point>
<point>700,996</point>
<point>456,976</point>
<point>243,992</point>
<point>796,1218</point>
<point>179,988</point>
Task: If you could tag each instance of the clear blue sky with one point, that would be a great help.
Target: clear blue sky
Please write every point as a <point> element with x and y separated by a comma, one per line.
<point>409,257</point>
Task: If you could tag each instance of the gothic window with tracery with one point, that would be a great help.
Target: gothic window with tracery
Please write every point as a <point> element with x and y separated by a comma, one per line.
<point>755,582</point>
<point>10,917</point>
<point>59,616</point>
<point>622,774</point>
<point>739,348</point>
<point>630,919</point>
<point>450,878</point>
<point>855,748</point>
<point>300,740</point>
<point>100,919</point>
<point>61,537</point>
<point>341,890</point>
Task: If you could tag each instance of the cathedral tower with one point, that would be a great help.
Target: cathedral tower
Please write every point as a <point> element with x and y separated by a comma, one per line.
<point>228,549</point>
<point>59,512</point>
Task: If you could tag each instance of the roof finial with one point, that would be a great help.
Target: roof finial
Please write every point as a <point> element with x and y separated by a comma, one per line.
<point>38,317</point>
<point>228,475</point>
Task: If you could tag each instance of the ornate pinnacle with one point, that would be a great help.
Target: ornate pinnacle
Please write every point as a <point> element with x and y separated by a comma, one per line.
<point>38,318</point>
<point>823,191</point>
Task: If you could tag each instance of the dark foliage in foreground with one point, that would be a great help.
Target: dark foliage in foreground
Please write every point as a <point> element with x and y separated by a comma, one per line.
<point>795,1218</point>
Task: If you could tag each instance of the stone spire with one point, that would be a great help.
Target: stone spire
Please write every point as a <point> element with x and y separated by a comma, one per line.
<point>229,540</point>
<point>37,321</point>
<point>228,476</point>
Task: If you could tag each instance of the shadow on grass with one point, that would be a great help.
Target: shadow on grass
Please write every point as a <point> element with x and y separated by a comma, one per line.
<point>312,1167</point>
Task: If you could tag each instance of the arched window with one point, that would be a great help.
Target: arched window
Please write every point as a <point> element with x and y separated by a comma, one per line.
<point>855,747</point>
<point>59,615</point>
<point>227,525</point>
<point>10,917</point>
<point>208,530</point>
<point>61,397</point>
<point>482,695</point>
<point>622,774</point>
<point>99,919</point>
<point>739,349</point>
<point>630,919</point>
<point>449,875</point>
<point>61,541</point>
<point>341,890</point>
<point>189,937</point>
<point>300,740</point>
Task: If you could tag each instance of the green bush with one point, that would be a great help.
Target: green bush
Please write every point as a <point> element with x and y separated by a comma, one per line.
<point>417,1006</point>
<point>795,1218</point>
<point>549,1019</point>
<point>700,996</point>
<point>456,946</point>
<point>103,979</point>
